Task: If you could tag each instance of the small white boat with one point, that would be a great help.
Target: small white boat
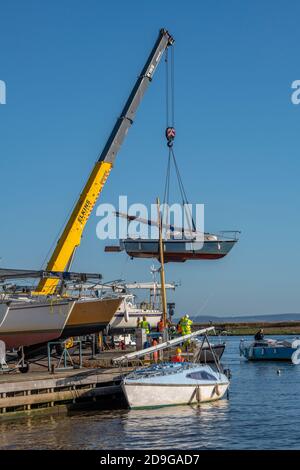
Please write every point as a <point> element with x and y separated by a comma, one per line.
<point>128,313</point>
<point>170,384</point>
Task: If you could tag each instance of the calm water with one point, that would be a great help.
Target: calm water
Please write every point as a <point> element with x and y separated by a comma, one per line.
<point>263,412</point>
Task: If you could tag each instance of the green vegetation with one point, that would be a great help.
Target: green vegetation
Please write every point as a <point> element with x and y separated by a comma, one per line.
<point>243,329</point>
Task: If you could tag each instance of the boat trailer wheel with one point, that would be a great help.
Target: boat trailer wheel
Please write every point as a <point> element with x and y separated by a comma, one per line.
<point>24,368</point>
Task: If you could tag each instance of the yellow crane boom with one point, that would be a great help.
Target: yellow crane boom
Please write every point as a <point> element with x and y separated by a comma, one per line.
<point>71,237</point>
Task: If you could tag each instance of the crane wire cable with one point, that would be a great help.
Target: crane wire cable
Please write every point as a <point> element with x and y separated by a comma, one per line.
<point>170,122</point>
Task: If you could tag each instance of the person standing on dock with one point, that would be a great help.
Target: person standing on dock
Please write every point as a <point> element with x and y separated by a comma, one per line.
<point>186,325</point>
<point>155,353</point>
<point>161,325</point>
<point>145,325</point>
<point>186,328</point>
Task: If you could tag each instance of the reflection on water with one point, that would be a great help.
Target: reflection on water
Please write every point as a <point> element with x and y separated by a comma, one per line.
<point>177,426</point>
<point>262,413</point>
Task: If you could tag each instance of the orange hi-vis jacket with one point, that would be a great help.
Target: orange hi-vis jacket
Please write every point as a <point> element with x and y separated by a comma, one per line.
<point>177,358</point>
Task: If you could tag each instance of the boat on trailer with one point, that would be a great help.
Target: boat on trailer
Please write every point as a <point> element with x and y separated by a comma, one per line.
<point>30,321</point>
<point>271,350</point>
<point>88,316</point>
<point>26,322</point>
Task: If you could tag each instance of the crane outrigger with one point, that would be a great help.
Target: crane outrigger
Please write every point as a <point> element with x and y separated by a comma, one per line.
<point>70,239</point>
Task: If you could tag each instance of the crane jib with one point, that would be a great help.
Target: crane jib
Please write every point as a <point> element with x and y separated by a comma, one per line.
<point>70,239</point>
<point>126,118</point>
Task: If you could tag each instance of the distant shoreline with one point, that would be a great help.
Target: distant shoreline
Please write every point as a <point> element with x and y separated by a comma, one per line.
<point>250,328</point>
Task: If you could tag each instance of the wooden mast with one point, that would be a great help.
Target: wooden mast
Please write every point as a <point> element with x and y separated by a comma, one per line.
<point>162,267</point>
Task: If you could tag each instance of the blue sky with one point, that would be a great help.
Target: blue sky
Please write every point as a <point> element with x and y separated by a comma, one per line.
<point>68,68</point>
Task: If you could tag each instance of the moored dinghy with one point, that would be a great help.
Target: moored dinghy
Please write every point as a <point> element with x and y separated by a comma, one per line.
<point>169,384</point>
<point>172,383</point>
<point>271,350</point>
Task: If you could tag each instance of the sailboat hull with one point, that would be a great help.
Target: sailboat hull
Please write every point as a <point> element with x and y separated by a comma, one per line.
<point>150,396</point>
<point>26,324</point>
<point>170,384</point>
<point>178,250</point>
<point>90,316</point>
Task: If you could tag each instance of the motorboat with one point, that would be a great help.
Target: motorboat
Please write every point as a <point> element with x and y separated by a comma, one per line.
<point>206,353</point>
<point>169,384</point>
<point>271,350</point>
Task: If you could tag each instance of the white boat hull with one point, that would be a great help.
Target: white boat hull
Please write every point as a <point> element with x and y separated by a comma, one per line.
<point>147,396</point>
<point>26,324</point>
<point>127,315</point>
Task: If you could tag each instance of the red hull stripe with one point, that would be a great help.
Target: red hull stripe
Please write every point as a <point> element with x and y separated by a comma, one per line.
<point>178,257</point>
<point>15,340</point>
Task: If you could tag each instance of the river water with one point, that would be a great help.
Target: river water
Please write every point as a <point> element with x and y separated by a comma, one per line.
<point>262,412</point>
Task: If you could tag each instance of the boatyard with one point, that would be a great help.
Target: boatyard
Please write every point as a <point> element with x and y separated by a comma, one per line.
<point>132,275</point>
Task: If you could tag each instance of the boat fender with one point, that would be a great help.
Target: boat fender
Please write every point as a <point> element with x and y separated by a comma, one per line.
<point>217,390</point>
<point>296,357</point>
<point>211,238</point>
<point>198,394</point>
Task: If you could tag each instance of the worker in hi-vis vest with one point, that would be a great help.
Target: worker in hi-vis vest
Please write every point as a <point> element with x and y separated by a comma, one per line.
<point>145,325</point>
<point>178,357</point>
<point>186,328</point>
<point>186,325</point>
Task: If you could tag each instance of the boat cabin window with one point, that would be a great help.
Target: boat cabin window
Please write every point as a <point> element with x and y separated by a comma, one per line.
<point>201,375</point>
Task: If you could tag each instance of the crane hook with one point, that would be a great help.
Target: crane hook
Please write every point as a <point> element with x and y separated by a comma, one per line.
<point>170,135</point>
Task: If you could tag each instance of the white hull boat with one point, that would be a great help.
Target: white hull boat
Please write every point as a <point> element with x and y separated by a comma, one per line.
<point>128,313</point>
<point>172,384</point>
<point>25,323</point>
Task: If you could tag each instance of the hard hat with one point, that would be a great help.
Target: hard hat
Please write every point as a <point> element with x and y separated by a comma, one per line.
<point>178,350</point>
<point>187,316</point>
